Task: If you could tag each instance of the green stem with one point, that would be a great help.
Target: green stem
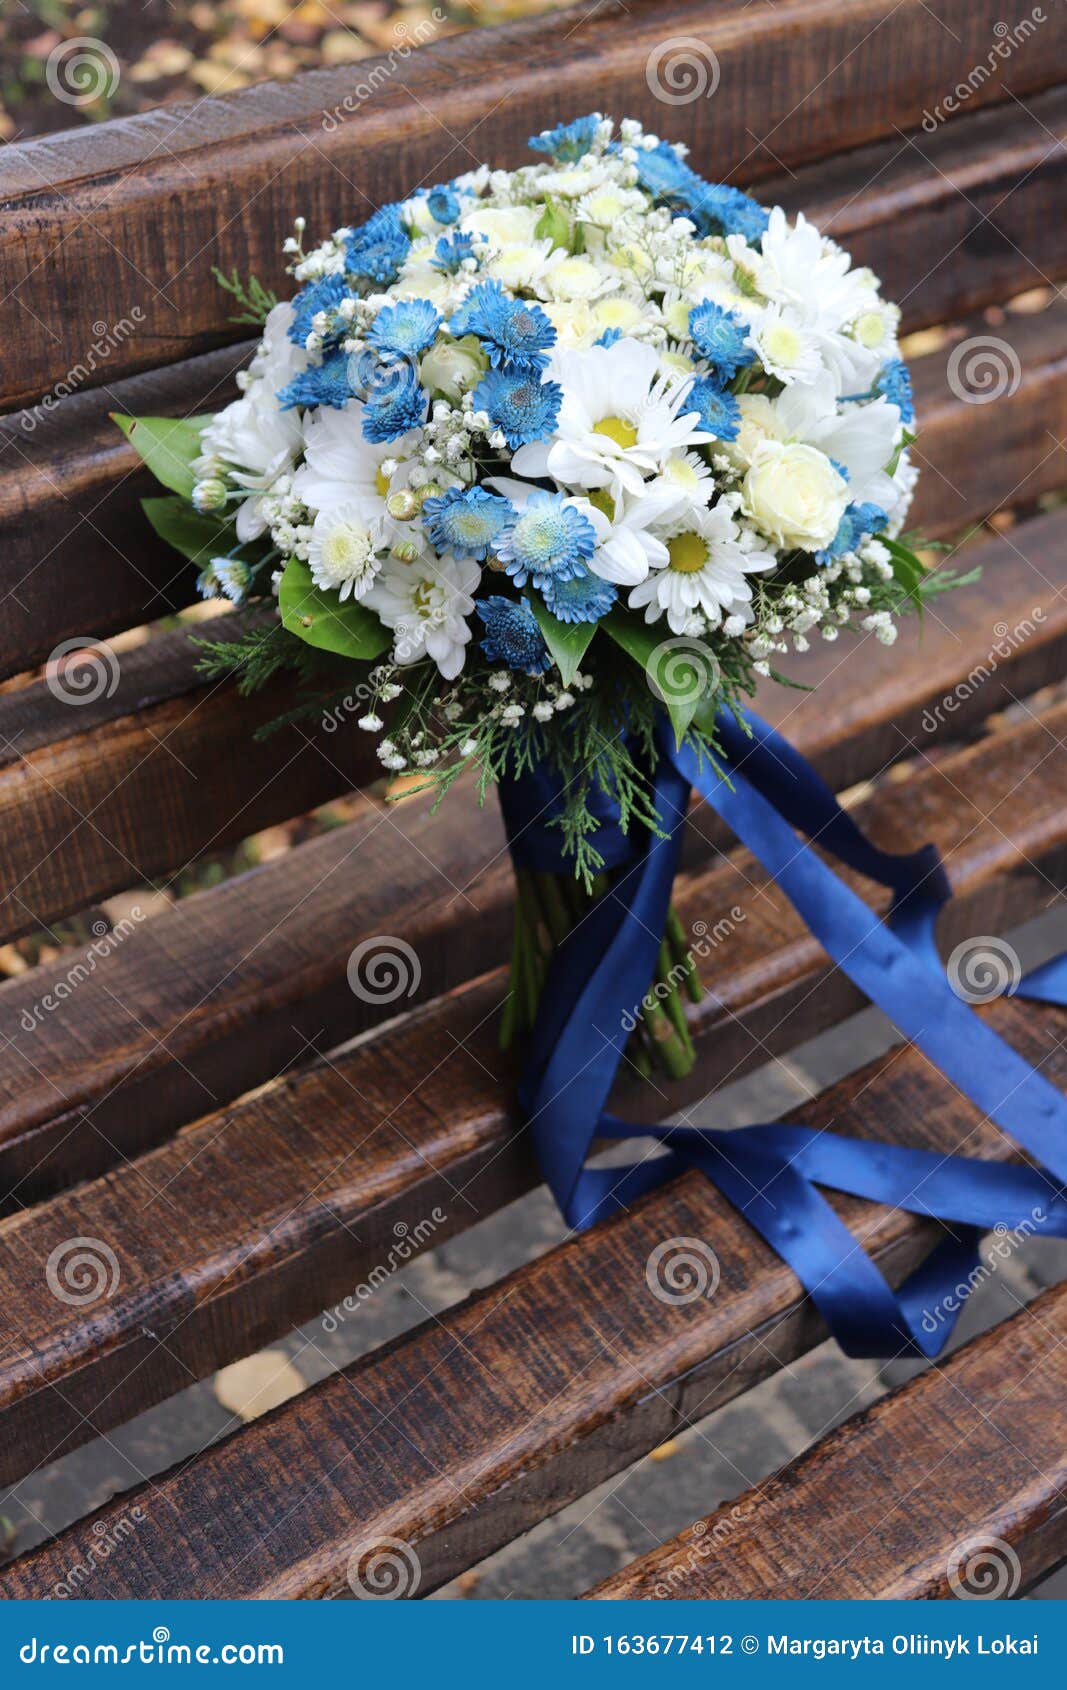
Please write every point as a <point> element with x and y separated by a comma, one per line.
<point>683,955</point>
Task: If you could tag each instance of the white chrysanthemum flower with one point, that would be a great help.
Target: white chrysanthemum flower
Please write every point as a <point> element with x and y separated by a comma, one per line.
<point>426,604</point>
<point>340,465</point>
<point>572,276</point>
<point>345,549</point>
<point>686,476</point>
<point>784,345</point>
<point>520,264</point>
<point>619,419</point>
<point>705,572</point>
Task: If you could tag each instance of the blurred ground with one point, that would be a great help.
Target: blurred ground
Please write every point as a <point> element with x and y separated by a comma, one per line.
<point>164,50</point>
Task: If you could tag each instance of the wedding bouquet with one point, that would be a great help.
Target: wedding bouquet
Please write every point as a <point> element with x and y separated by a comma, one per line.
<point>537,461</point>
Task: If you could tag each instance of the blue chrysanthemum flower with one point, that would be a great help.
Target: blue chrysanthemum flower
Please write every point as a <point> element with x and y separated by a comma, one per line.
<point>324,295</point>
<point>547,540</point>
<point>520,404</point>
<point>608,338</point>
<point>719,336</point>
<point>466,520</point>
<point>326,384</point>
<point>719,209</point>
<point>582,598</point>
<point>719,411</point>
<point>858,521</point>
<point>567,142</point>
<point>512,635</point>
<point>451,250</point>
<point>405,329</point>
<point>662,173</point>
<point>514,332</point>
<point>443,204</point>
<point>395,403</point>
<point>841,470</point>
<point>894,382</point>
<point>379,248</point>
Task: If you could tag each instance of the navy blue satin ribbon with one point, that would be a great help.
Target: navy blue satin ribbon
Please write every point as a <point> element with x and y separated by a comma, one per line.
<point>764,790</point>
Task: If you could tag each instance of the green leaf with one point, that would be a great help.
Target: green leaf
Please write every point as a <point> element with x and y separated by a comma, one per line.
<point>556,224</point>
<point>567,641</point>
<point>168,446</point>
<point>681,672</point>
<point>197,537</point>
<point>320,618</point>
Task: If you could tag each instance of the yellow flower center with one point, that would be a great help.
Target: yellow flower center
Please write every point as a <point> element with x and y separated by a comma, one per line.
<point>783,344</point>
<point>605,504</point>
<point>618,429</point>
<point>381,484</point>
<point>688,553</point>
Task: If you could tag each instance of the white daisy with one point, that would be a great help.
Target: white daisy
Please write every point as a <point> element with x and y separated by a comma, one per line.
<point>784,345</point>
<point>339,465</point>
<point>704,573</point>
<point>345,550</point>
<point>619,419</point>
<point>426,603</point>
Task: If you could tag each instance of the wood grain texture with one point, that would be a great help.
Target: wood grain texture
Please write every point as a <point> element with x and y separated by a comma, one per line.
<point>902,1500</point>
<point>221,993</point>
<point>977,197</point>
<point>79,558</point>
<point>260,1215</point>
<point>161,768</point>
<point>136,212</point>
<point>475,1426</point>
<point>967,470</point>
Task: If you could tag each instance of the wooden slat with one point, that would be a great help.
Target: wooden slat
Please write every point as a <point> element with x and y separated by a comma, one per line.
<point>218,995</point>
<point>903,1501</point>
<point>482,1422</point>
<point>979,458</point>
<point>106,792</point>
<point>257,1217</point>
<point>978,198</point>
<point>79,559</point>
<point>136,212</point>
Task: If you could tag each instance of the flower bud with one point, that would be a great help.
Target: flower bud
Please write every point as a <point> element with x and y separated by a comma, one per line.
<point>209,495</point>
<point>403,505</point>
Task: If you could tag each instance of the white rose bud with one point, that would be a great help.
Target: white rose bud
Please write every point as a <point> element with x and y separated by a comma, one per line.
<point>452,367</point>
<point>795,495</point>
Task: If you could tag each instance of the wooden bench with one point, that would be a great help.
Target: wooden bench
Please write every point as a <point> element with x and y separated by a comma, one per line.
<point>183,1104</point>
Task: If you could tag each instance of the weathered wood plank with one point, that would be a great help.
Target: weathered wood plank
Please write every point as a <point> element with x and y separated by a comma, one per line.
<point>136,212</point>
<point>480,1423</point>
<point>954,1485</point>
<point>220,994</point>
<point>79,558</point>
<point>260,1215</point>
